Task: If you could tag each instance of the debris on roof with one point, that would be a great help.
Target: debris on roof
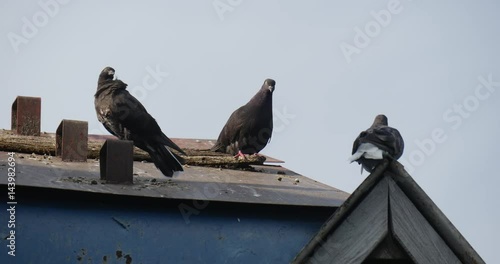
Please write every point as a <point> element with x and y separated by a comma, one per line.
<point>46,144</point>
<point>260,186</point>
<point>207,175</point>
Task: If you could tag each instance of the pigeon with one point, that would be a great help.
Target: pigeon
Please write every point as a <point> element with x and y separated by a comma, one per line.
<point>376,143</point>
<point>249,128</point>
<point>126,118</point>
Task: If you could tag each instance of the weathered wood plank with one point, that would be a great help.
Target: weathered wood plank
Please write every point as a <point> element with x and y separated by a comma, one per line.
<point>338,217</point>
<point>46,144</point>
<point>389,249</point>
<point>434,215</point>
<point>414,233</point>
<point>360,233</point>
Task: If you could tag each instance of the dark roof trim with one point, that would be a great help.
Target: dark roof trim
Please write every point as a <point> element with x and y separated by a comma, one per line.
<point>433,214</point>
<point>343,211</point>
<point>452,237</point>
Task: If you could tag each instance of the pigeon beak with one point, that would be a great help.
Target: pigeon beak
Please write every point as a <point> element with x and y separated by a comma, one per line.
<point>111,72</point>
<point>271,88</point>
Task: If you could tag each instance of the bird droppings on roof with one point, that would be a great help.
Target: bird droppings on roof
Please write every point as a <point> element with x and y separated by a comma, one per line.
<point>257,186</point>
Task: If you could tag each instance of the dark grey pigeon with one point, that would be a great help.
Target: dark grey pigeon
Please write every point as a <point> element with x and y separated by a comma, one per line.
<point>249,128</point>
<point>126,118</point>
<point>376,143</point>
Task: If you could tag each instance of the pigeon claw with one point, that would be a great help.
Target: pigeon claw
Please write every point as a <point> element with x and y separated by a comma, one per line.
<point>240,155</point>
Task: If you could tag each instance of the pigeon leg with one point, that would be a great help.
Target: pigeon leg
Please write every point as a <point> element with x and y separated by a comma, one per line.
<point>240,155</point>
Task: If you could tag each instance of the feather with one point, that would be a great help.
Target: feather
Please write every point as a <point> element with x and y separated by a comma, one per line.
<point>377,142</point>
<point>126,118</point>
<point>249,128</point>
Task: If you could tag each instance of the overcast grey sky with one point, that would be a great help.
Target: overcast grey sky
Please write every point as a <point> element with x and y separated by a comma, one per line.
<point>432,68</point>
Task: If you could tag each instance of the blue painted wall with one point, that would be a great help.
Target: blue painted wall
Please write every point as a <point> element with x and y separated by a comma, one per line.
<point>69,227</point>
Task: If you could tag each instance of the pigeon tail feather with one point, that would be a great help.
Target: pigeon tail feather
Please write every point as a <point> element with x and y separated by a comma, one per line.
<point>165,160</point>
<point>168,142</point>
<point>368,151</point>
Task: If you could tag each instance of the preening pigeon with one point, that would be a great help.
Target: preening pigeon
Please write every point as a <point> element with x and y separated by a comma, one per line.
<point>249,128</point>
<point>126,118</point>
<point>376,143</point>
